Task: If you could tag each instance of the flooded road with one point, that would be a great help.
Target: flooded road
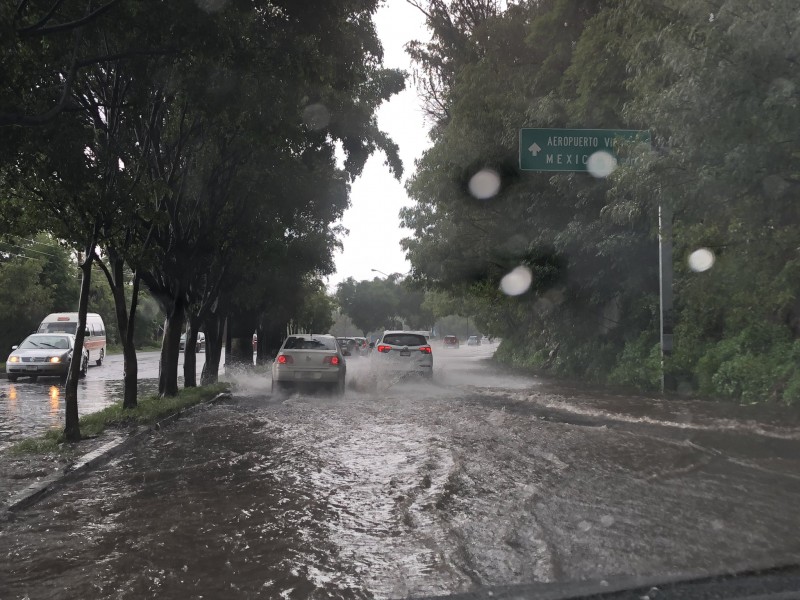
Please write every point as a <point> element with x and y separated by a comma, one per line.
<point>29,408</point>
<point>479,478</point>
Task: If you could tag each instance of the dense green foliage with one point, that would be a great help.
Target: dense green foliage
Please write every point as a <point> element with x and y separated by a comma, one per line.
<point>717,85</point>
<point>384,303</point>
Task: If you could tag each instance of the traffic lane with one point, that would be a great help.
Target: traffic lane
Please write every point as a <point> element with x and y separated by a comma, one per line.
<point>416,489</point>
<point>29,408</point>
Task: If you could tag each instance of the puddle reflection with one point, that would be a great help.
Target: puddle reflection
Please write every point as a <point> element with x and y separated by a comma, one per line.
<point>33,407</point>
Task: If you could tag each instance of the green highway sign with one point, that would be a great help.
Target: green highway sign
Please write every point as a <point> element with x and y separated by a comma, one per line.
<point>571,149</point>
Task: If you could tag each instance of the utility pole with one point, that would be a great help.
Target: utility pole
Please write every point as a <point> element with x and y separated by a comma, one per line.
<point>665,292</point>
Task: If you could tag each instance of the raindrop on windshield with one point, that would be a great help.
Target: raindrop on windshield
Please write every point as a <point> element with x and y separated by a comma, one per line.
<point>316,116</point>
<point>211,6</point>
<point>517,281</point>
<point>606,520</point>
<point>701,260</point>
<point>601,164</point>
<point>484,184</point>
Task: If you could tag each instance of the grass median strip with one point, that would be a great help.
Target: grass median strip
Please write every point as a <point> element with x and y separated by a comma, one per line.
<point>150,410</point>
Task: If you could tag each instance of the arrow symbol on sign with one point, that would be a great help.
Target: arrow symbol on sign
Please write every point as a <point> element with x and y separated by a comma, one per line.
<point>534,148</point>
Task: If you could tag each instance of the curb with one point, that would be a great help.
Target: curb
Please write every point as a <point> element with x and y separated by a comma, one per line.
<point>39,490</point>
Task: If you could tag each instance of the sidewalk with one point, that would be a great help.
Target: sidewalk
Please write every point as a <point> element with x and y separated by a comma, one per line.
<point>26,478</point>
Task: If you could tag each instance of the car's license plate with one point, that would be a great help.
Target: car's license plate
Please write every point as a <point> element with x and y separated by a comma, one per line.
<point>405,352</point>
<point>31,368</point>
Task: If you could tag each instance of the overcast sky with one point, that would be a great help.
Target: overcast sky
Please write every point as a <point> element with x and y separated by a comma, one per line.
<point>376,197</point>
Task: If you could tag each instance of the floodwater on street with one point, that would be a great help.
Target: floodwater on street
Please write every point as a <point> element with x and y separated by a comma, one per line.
<point>29,408</point>
<point>478,478</point>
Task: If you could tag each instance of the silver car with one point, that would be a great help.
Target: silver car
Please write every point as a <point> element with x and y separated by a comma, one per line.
<point>44,355</point>
<point>309,359</point>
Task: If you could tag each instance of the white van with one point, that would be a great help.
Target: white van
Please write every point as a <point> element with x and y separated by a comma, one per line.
<point>67,322</point>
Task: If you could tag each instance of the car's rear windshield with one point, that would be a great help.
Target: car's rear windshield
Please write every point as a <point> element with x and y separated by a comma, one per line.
<point>404,339</point>
<point>299,343</point>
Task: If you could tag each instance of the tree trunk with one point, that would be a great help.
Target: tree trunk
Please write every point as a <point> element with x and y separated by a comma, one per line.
<point>170,350</point>
<point>72,430</point>
<point>240,350</point>
<point>125,324</point>
<point>214,329</point>
<point>190,353</point>
<point>274,335</point>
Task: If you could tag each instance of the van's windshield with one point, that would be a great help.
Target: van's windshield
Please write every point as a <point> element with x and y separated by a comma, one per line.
<point>59,327</point>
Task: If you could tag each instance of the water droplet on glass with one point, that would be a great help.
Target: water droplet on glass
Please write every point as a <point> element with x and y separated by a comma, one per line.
<point>316,116</point>
<point>517,281</point>
<point>701,260</point>
<point>606,520</point>
<point>601,164</point>
<point>211,6</point>
<point>584,526</point>
<point>717,525</point>
<point>484,184</point>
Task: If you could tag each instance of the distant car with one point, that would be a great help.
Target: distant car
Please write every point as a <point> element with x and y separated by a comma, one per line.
<point>309,359</point>
<point>362,346</point>
<point>400,352</point>
<point>200,346</point>
<point>474,340</point>
<point>348,345</point>
<point>44,355</point>
<point>450,341</point>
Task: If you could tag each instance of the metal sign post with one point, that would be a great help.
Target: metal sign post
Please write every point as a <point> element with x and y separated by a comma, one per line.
<point>665,291</point>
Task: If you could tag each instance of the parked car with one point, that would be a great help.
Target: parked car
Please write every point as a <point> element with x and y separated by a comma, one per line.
<point>200,346</point>
<point>450,341</point>
<point>309,359</point>
<point>44,355</point>
<point>474,340</point>
<point>94,340</point>
<point>402,352</point>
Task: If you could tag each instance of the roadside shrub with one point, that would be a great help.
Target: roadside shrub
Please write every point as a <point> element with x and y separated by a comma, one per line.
<point>639,364</point>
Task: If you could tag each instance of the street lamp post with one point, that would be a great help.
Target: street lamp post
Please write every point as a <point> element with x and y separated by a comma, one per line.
<point>381,272</point>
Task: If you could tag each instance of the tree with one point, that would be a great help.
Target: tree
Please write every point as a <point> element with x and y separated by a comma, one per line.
<point>23,299</point>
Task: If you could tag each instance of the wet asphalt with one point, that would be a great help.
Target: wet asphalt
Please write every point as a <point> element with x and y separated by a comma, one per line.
<point>479,478</point>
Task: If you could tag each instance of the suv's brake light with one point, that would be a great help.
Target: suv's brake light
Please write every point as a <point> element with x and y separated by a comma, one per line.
<point>425,349</point>
<point>382,348</point>
<point>285,359</point>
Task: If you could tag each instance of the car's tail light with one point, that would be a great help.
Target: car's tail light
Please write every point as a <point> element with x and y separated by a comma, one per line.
<point>382,348</point>
<point>331,360</point>
<point>425,350</point>
<point>285,359</point>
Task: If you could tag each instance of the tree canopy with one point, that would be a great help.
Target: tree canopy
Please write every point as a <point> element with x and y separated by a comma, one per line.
<point>715,82</point>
